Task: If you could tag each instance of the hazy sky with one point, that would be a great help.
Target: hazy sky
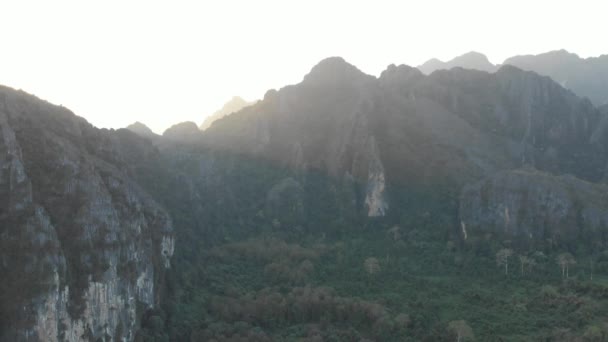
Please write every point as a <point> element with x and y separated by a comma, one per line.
<point>162,62</point>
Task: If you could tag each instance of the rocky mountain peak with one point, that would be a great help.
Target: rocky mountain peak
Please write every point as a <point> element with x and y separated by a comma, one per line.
<point>181,131</point>
<point>334,70</point>
<point>142,130</point>
<point>234,105</point>
<point>473,56</point>
<point>401,75</point>
<point>470,60</point>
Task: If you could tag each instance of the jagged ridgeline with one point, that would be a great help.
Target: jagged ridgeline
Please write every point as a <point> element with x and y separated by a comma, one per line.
<point>387,189</point>
<point>587,77</point>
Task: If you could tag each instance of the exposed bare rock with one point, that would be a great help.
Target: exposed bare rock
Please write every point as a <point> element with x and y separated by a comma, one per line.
<point>533,204</point>
<point>82,248</point>
<point>455,125</point>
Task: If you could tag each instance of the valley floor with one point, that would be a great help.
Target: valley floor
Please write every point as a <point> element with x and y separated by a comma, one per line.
<point>382,285</point>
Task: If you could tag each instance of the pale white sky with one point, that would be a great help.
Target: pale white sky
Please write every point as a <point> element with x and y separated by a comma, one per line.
<point>163,62</point>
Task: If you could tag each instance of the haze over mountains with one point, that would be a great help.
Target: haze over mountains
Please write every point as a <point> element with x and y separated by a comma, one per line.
<point>386,188</point>
<point>585,76</point>
<point>232,106</point>
<point>471,60</point>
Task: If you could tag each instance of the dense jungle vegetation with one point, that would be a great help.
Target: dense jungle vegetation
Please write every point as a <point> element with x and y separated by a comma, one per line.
<point>306,267</point>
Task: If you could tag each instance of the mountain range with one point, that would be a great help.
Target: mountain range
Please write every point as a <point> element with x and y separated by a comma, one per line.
<point>115,234</point>
<point>585,76</point>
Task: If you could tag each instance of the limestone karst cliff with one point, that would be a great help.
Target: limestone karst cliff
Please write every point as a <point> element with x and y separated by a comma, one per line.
<point>83,248</point>
<point>88,216</point>
<point>404,127</point>
<point>537,206</point>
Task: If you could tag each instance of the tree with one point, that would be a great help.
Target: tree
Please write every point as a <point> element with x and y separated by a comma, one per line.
<point>525,261</point>
<point>371,265</point>
<point>502,258</point>
<point>565,260</point>
<point>531,264</point>
<point>462,330</point>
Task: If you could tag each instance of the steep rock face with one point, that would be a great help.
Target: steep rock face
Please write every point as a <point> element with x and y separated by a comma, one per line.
<point>319,124</point>
<point>375,195</point>
<point>471,60</point>
<point>453,126</point>
<point>585,76</point>
<point>83,248</point>
<point>536,205</point>
<point>546,126</point>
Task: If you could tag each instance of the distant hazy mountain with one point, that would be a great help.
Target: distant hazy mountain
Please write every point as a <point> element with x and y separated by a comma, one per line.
<point>141,130</point>
<point>471,60</point>
<point>234,105</point>
<point>585,76</point>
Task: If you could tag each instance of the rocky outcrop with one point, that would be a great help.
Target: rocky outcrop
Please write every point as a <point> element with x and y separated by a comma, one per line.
<point>375,196</point>
<point>234,105</point>
<point>535,205</point>
<point>83,249</point>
